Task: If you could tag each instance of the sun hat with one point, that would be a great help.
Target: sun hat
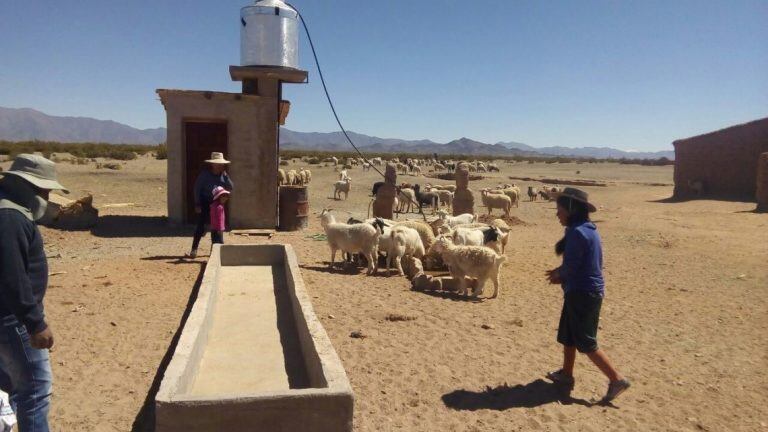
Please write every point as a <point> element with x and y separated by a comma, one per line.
<point>219,191</point>
<point>37,170</point>
<point>578,195</point>
<point>217,158</point>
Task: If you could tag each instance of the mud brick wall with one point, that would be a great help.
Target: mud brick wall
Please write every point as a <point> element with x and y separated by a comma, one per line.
<point>724,161</point>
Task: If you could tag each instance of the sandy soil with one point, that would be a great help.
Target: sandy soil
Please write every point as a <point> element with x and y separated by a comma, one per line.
<point>685,316</point>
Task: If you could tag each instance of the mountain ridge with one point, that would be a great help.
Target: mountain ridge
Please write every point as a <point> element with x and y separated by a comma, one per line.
<point>26,124</point>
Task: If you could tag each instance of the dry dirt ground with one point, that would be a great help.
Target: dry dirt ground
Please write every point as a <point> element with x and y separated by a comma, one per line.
<point>685,315</point>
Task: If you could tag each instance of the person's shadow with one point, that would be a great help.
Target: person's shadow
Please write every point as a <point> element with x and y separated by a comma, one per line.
<point>533,394</point>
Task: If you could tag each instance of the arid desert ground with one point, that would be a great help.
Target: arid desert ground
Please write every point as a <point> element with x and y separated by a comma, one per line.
<point>685,315</point>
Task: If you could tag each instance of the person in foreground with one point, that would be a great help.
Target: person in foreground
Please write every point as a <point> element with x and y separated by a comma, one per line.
<point>25,337</point>
<point>216,175</point>
<point>581,277</point>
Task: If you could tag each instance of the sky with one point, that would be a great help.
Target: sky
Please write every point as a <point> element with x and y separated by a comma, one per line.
<point>633,75</point>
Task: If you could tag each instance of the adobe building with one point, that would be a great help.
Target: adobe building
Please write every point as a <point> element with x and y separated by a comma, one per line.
<point>245,127</point>
<point>724,162</point>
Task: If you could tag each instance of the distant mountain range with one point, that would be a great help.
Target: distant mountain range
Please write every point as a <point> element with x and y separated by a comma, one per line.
<point>24,124</point>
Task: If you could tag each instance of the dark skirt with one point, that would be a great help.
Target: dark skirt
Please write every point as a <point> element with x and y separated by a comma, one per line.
<point>579,320</point>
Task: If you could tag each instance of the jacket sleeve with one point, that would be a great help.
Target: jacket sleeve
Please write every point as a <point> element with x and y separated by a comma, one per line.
<point>575,254</point>
<point>198,189</point>
<point>15,287</point>
<point>228,185</point>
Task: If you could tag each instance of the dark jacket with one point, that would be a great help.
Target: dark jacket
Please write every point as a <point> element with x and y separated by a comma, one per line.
<point>582,268</point>
<point>23,268</point>
<point>205,183</point>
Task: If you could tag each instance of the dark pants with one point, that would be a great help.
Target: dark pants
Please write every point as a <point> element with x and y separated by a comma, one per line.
<point>579,319</point>
<point>203,218</point>
<point>217,237</point>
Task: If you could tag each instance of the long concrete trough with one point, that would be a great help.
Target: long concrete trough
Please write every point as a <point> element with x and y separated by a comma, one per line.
<point>252,354</point>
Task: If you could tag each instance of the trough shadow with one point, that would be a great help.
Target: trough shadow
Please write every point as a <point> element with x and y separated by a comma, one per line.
<point>503,397</point>
<point>295,369</point>
<point>119,226</point>
<point>145,418</point>
<point>174,259</point>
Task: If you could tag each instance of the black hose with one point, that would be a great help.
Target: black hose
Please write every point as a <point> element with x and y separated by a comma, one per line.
<point>328,96</point>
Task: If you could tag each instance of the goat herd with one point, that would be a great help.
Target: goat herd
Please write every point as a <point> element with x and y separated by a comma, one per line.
<point>472,251</point>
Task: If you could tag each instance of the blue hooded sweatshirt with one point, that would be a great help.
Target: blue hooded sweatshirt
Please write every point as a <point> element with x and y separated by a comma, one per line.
<point>582,268</point>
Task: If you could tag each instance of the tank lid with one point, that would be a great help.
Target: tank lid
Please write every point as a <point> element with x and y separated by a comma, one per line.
<point>268,7</point>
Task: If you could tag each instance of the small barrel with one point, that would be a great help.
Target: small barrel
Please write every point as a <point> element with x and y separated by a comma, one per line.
<point>293,208</point>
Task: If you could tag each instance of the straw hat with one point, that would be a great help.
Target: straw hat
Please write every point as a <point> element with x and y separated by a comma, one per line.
<point>217,158</point>
<point>37,170</point>
<point>579,195</point>
<point>219,191</point>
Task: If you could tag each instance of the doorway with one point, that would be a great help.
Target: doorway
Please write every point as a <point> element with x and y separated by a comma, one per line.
<point>201,138</point>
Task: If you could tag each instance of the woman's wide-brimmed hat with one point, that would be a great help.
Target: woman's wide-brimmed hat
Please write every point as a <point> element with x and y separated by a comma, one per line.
<point>37,170</point>
<point>219,191</point>
<point>217,158</point>
<point>579,195</point>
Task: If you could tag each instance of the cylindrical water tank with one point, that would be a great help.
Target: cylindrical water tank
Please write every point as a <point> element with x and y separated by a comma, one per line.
<point>269,35</point>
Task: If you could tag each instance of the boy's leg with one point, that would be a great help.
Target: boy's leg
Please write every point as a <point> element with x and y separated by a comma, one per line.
<point>569,359</point>
<point>600,359</point>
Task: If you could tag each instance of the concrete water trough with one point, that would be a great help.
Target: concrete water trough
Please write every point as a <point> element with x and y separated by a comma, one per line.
<point>252,354</point>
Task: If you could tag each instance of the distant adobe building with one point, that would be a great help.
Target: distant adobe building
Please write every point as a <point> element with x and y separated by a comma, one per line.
<point>722,164</point>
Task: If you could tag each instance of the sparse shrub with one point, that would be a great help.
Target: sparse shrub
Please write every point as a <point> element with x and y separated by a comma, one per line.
<point>162,152</point>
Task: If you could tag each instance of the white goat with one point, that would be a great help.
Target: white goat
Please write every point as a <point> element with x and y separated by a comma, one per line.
<point>403,241</point>
<point>476,262</point>
<point>360,238</point>
<point>342,186</point>
<point>498,201</point>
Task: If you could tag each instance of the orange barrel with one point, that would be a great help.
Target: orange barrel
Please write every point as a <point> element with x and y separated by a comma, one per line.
<point>293,208</point>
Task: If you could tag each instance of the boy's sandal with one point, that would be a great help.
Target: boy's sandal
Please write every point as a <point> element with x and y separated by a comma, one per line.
<point>615,389</point>
<point>559,377</point>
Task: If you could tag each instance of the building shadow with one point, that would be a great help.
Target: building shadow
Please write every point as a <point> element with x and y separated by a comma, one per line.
<point>533,394</point>
<point>120,226</point>
<point>145,418</point>
<point>682,199</point>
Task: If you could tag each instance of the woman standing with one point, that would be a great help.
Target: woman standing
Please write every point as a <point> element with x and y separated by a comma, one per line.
<point>581,277</point>
<point>216,175</point>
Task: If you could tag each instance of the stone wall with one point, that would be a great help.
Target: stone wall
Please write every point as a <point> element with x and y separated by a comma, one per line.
<point>723,161</point>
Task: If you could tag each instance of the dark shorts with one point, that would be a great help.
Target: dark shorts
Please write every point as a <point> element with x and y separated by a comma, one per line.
<point>578,321</point>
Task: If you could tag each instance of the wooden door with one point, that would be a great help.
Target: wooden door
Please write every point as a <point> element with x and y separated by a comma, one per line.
<point>200,140</point>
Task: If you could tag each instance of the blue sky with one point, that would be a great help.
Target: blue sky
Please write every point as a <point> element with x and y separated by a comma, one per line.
<point>630,75</point>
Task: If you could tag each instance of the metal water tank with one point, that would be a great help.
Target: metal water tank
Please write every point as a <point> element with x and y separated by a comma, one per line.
<point>269,35</point>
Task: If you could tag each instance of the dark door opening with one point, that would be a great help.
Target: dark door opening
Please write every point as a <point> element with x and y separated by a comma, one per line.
<point>200,140</point>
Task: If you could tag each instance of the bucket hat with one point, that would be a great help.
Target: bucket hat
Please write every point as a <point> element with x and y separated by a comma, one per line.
<point>217,158</point>
<point>579,195</point>
<point>219,191</point>
<point>37,170</point>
